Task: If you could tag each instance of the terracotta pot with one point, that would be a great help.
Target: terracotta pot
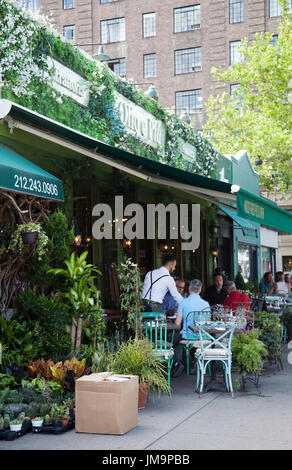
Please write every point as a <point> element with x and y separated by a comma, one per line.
<point>29,238</point>
<point>143,394</point>
<point>65,421</point>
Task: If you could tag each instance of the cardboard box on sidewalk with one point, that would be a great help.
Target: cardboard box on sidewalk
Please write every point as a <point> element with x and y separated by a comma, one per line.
<point>106,403</point>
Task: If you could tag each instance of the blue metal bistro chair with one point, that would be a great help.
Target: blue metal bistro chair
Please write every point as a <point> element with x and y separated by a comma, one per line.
<point>218,349</point>
<point>192,340</point>
<point>157,333</point>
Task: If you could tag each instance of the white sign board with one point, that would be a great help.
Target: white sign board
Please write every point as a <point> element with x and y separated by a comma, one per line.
<point>188,151</point>
<point>140,123</point>
<point>69,83</point>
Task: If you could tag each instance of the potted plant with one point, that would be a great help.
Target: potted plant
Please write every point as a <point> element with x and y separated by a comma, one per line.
<point>131,295</point>
<point>16,425</point>
<point>270,334</point>
<point>37,422</point>
<point>135,357</point>
<point>287,320</point>
<point>248,353</point>
<point>82,296</point>
<point>28,234</point>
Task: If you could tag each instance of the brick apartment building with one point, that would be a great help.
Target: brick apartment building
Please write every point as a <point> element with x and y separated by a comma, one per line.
<point>171,44</point>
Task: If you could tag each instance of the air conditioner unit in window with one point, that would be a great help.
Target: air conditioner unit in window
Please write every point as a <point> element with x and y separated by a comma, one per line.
<point>197,67</point>
<point>194,26</point>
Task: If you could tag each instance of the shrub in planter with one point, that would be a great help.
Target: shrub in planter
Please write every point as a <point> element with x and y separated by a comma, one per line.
<point>270,333</point>
<point>49,321</point>
<point>248,352</point>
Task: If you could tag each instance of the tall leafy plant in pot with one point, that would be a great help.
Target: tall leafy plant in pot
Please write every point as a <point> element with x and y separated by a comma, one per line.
<point>135,357</point>
<point>82,295</point>
<point>131,295</point>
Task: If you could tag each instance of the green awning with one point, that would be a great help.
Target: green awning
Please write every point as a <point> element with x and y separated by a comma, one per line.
<point>239,222</point>
<point>20,175</point>
<point>262,211</point>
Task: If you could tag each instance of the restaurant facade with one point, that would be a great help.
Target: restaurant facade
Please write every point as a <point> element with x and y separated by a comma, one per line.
<point>102,138</point>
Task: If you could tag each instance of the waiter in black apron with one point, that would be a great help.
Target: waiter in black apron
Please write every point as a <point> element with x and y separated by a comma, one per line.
<point>157,283</point>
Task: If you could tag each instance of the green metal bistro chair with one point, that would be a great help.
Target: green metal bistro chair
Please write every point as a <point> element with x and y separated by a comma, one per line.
<point>153,315</point>
<point>218,349</point>
<point>157,333</point>
<point>192,340</point>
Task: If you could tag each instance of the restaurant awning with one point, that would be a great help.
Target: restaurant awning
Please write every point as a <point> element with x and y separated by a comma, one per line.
<point>263,211</point>
<point>22,176</point>
<point>211,190</point>
<point>239,222</point>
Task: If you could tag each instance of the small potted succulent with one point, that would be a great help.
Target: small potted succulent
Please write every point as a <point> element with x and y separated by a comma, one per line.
<point>37,422</point>
<point>16,425</point>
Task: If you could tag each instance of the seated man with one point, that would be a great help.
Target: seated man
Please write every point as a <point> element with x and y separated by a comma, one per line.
<point>235,299</point>
<point>216,294</point>
<point>268,286</point>
<point>192,303</point>
<point>169,304</point>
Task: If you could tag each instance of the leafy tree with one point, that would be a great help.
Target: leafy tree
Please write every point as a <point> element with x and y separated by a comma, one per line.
<point>258,117</point>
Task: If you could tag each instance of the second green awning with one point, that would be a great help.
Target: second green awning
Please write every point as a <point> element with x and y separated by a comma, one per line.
<point>263,212</point>
<point>239,222</point>
<point>21,175</point>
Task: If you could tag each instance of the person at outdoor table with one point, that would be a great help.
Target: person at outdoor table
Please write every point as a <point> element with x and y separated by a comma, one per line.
<point>157,283</point>
<point>235,298</point>
<point>280,283</point>
<point>268,286</point>
<point>215,294</point>
<point>287,281</point>
<point>192,303</point>
<point>169,304</point>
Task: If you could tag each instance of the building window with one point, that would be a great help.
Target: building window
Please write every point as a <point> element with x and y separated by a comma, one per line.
<point>149,28</point>
<point>118,66</point>
<point>108,1</point>
<point>287,263</point>
<point>188,60</point>
<point>236,56</point>
<point>113,30</point>
<point>32,5</point>
<point>276,8</point>
<point>189,101</point>
<point>187,18</point>
<point>235,11</point>
<point>68,4</point>
<point>149,65</point>
<point>236,95</point>
<point>247,261</point>
<point>69,32</point>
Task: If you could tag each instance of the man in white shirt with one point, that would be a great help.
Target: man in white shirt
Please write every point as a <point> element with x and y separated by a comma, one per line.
<point>157,283</point>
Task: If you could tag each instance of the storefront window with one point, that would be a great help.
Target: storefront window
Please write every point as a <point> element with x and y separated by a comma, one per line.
<point>268,260</point>
<point>287,263</point>
<point>247,261</point>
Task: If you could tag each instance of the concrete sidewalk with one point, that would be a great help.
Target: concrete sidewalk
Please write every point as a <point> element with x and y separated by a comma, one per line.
<point>187,422</point>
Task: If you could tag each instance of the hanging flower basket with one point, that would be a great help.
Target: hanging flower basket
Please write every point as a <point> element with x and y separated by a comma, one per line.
<point>29,238</point>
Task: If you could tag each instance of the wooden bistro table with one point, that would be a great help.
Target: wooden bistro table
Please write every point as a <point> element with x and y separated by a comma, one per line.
<point>214,385</point>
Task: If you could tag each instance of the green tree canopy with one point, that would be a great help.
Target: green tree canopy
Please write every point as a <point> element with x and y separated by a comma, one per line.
<point>257,118</point>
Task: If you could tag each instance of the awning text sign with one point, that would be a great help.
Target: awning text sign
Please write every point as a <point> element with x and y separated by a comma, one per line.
<point>140,123</point>
<point>20,175</point>
<point>69,83</point>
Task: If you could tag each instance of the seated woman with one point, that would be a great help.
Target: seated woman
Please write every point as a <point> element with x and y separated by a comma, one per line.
<point>280,283</point>
<point>235,299</point>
